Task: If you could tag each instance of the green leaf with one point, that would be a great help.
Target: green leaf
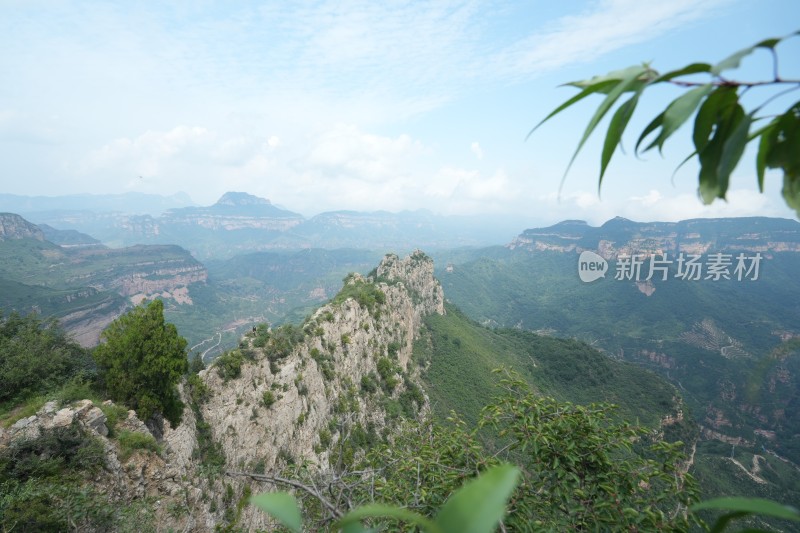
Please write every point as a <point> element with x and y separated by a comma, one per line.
<point>603,108</point>
<point>678,111</point>
<point>732,61</point>
<point>355,527</point>
<point>480,504</point>
<point>764,146</point>
<point>707,115</point>
<point>377,510</point>
<point>282,506</point>
<point>726,118</point>
<point>650,128</point>
<point>769,43</point>
<point>580,96</point>
<point>642,74</point>
<point>791,191</point>
<point>694,68</point>
<point>732,151</point>
<point>757,506</point>
<point>615,129</point>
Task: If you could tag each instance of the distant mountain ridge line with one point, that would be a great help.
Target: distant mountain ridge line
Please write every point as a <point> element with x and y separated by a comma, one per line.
<point>620,236</point>
<point>240,222</point>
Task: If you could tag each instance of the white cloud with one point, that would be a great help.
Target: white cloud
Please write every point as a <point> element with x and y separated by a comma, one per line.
<point>347,151</point>
<point>740,203</point>
<point>606,26</point>
<point>476,149</point>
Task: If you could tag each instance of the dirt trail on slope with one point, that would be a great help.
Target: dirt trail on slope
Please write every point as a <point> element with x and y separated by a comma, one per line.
<point>754,472</point>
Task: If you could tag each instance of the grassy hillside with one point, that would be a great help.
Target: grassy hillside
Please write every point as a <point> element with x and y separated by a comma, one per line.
<point>462,354</point>
<point>714,341</point>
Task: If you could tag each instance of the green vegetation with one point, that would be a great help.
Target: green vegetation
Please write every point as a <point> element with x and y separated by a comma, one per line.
<point>475,508</point>
<point>462,355</point>
<point>540,291</point>
<point>283,341</point>
<point>142,360</point>
<point>208,451</point>
<point>388,371</point>
<point>130,441</point>
<point>36,357</point>
<point>366,293</point>
<point>42,486</point>
<point>269,399</point>
<point>324,362</point>
<point>580,468</point>
<point>722,128</point>
<point>229,364</point>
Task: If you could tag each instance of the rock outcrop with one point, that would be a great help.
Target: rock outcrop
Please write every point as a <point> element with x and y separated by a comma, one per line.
<point>15,227</point>
<point>274,409</point>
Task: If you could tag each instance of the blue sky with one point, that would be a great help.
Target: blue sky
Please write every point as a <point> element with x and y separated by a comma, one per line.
<point>323,105</point>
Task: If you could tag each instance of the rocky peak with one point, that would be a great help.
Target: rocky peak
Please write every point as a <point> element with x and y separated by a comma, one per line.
<point>15,227</point>
<point>241,198</point>
<point>416,273</point>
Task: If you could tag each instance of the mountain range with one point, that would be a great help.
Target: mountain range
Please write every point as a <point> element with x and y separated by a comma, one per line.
<point>239,223</point>
<point>725,347</point>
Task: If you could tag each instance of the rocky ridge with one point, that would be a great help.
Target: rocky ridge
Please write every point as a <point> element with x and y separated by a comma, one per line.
<point>275,408</point>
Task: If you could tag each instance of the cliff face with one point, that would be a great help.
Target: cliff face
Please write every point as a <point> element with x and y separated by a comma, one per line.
<point>86,287</point>
<point>137,271</point>
<point>344,342</point>
<point>15,227</point>
<point>314,386</point>
<point>624,237</point>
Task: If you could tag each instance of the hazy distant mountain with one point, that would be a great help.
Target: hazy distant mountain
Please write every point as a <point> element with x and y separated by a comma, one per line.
<point>403,231</point>
<point>68,237</point>
<point>243,223</point>
<point>620,236</point>
<point>14,227</point>
<point>131,202</point>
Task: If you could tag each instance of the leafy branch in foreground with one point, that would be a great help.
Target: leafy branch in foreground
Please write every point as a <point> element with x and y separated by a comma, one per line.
<point>477,507</point>
<point>578,468</point>
<point>722,125</point>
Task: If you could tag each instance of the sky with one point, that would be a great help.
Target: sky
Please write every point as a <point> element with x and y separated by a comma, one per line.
<point>392,105</point>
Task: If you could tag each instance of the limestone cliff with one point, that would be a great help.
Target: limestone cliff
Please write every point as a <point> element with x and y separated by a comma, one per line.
<point>316,387</point>
<point>286,395</point>
<point>622,237</point>
<point>15,227</point>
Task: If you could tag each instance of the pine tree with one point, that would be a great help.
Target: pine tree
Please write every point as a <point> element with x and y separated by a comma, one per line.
<point>142,360</point>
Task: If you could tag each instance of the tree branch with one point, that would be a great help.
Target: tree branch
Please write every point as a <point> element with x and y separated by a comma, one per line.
<point>292,483</point>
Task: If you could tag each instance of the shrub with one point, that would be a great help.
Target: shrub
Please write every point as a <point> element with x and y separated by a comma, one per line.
<point>324,438</point>
<point>130,441</point>
<point>387,371</point>
<point>37,357</point>
<point>368,384</point>
<point>269,399</point>
<point>229,365</point>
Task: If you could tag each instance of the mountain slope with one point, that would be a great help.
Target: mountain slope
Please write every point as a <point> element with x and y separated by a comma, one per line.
<point>86,287</point>
<point>716,341</point>
<point>460,355</point>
